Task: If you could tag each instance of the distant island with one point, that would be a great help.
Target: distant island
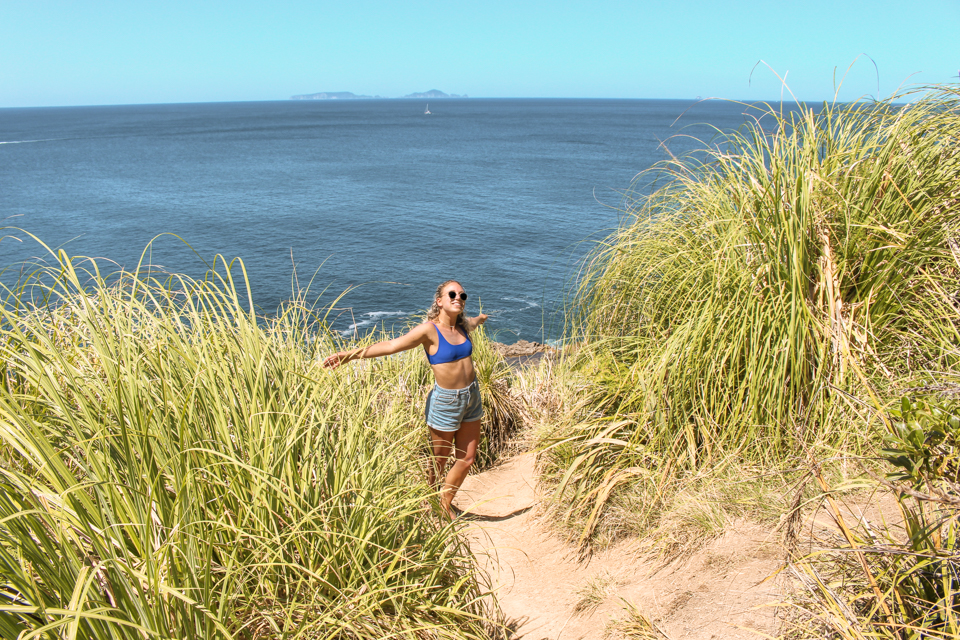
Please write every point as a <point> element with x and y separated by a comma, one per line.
<point>348,95</point>
<point>434,93</point>
<point>332,95</point>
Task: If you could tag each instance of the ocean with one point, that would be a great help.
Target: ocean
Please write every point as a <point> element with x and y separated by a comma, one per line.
<point>374,196</point>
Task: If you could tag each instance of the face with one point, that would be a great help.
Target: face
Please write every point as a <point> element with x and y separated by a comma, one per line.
<point>453,305</point>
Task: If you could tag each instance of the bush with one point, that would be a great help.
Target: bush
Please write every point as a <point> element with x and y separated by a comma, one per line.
<point>807,259</point>
<point>888,579</point>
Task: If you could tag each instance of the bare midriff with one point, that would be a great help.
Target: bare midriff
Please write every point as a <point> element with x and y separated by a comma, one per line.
<point>458,374</point>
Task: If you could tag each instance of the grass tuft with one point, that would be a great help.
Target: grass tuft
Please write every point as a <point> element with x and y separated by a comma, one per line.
<point>595,590</point>
<point>633,625</point>
<point>744,308</point>
<point>172,466</point>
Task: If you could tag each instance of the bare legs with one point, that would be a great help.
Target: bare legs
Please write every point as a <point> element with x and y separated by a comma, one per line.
<point>462,444</point>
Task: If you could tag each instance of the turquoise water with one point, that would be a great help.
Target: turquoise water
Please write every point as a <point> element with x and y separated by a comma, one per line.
<point>504,195</point>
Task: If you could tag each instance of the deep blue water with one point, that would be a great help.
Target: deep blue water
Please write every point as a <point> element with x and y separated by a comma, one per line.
<point>500,194</point>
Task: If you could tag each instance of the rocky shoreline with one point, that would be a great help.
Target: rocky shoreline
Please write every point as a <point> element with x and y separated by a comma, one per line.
<point>523,353</point>
<point>521,348</point>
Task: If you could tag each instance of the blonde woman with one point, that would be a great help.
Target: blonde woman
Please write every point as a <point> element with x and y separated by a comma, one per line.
<point>454,407</point>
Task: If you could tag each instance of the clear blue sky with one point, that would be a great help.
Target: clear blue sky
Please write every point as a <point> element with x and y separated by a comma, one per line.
<point>121,52</point>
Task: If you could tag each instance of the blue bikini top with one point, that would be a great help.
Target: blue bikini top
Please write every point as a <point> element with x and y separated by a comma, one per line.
<point>447,352</point>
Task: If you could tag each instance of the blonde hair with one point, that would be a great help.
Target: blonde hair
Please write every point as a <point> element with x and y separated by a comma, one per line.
<point>435,310</point>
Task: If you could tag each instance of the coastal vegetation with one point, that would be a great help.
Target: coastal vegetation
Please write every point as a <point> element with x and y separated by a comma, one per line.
<point>173,466</point>
<point>760,315</point>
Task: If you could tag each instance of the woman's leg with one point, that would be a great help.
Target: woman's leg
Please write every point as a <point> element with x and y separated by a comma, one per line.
<point>467,439</point>
<point>441,448</point>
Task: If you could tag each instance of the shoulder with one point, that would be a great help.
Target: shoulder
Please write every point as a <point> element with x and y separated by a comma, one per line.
<point>424,330</point>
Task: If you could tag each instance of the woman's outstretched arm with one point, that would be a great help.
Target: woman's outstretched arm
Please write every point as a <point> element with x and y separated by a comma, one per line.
<point>415,337</point>
<point>473,323</point>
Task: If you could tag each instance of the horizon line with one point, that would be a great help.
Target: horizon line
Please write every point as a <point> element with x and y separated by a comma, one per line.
<point>472,98</point>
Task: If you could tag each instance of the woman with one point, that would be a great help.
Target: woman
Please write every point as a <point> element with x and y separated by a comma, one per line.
<point>454,408</point>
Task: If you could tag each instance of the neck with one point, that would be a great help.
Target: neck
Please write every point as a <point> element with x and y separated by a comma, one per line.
<point>446,320</point>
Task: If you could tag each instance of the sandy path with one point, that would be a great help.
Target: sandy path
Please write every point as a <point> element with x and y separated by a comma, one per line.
<point>719,592</point>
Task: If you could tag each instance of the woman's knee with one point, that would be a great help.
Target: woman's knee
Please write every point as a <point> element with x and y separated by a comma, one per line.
<point>467,458</point>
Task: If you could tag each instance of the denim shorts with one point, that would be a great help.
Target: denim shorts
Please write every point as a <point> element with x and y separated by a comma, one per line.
<point>447,408</point>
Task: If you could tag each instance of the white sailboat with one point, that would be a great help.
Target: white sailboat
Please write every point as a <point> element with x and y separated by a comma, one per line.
<point>427,111</point>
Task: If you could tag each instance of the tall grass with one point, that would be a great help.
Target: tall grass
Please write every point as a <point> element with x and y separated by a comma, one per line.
<point>172,466</point>
<point>893,577</point>
<point>806,260</point>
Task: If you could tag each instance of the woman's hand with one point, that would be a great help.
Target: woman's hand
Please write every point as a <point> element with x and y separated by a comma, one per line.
<point>474,322</point>
<point>334,361</point>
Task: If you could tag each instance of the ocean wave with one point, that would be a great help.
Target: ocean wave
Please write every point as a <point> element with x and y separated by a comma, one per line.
<point>372,318</point>
<point>530,303</point>
<point>26,141</point>
<point>352,329</point>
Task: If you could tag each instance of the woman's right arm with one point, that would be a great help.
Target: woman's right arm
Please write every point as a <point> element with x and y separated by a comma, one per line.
<point>415,337</point>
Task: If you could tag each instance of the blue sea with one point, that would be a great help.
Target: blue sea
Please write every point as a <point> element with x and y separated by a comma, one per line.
<point>375,196</point>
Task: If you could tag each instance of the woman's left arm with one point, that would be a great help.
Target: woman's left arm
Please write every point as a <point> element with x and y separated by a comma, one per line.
<point>473,323</point>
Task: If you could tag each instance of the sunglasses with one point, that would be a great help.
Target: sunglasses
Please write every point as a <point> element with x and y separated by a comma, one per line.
<point>453,295</point>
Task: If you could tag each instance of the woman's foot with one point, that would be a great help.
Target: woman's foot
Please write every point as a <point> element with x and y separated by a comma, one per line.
<point>455,513</point>
<point>446,503</point>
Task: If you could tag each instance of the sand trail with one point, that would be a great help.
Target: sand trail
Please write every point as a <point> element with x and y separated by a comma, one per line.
<point>720,591</point>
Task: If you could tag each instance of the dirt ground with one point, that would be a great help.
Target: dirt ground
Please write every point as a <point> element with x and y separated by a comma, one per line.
<point>723,590</point>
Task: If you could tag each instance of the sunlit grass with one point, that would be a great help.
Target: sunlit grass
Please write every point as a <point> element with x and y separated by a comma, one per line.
<point>173,466</point>
<point>632,624</point>
<point>893,574</point>
<point>767,300</point>
<point>597,588</point>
